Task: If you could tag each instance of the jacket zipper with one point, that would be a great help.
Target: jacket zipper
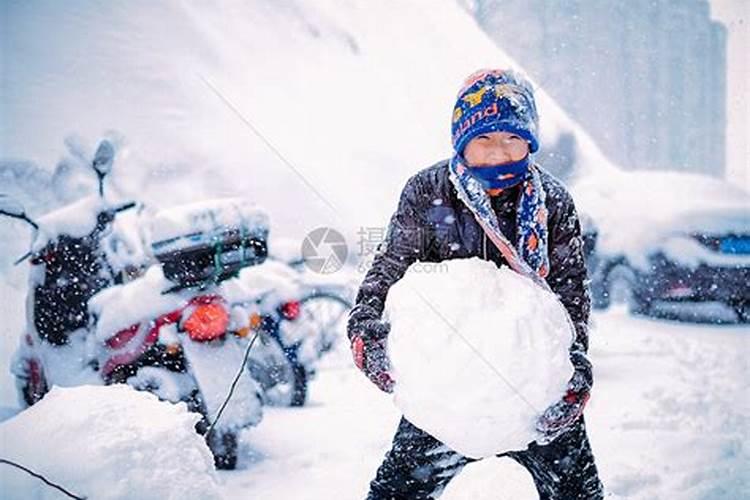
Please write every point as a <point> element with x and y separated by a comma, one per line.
<point>484,245</point>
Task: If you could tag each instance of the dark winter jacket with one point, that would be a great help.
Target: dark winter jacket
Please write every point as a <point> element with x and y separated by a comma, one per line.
<point>432,225</point>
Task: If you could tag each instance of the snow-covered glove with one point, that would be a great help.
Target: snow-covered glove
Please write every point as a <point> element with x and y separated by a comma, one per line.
<point>369,352</point>
<point>560,416</point>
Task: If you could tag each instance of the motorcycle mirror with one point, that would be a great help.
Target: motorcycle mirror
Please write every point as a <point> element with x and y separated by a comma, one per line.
<point>102,163</point>
<point>12,208</point>
<point>103,158</point>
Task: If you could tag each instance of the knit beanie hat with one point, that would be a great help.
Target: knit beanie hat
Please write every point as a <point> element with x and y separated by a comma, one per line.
<point>495,100</point>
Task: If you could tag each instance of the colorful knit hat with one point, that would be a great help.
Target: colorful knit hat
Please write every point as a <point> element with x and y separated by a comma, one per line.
<point>495,100</point>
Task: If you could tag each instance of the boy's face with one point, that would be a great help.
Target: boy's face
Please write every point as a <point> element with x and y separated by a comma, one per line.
<point>495,148</point>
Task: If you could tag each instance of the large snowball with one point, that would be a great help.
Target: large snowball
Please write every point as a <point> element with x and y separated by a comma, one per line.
<point>107,442</point>
<point>477,352</point>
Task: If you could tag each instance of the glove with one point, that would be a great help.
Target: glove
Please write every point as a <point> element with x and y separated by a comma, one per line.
<point>561,416</point>
<point>368,346</point>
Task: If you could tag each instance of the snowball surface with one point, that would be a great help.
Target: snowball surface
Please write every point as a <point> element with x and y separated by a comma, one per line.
<point>478,352</point>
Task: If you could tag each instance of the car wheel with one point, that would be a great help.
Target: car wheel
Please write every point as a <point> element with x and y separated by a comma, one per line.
<point>622,289</point>
<point>742,308</point>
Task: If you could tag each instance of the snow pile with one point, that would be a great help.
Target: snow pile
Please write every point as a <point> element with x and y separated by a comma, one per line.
<point>198,222</point>
<point>478,353</point>
<point>107,442</point>
<point>143,299</point>
<point>270,281</point>
<point>75,220</point>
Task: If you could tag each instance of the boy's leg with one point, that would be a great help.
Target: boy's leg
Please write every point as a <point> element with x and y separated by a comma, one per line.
<point>418,466</point>
<point>564,469</point>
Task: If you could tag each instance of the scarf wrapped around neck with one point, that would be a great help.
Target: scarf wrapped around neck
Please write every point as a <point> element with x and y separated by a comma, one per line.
<point>530,255</point>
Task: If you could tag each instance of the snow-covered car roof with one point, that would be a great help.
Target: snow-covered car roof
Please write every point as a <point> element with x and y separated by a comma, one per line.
<point>634,210</point>
<point>717,221</point>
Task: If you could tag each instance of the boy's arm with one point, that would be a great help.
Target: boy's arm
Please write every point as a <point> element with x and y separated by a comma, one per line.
<point>568,276</point>
<point>569,280</point>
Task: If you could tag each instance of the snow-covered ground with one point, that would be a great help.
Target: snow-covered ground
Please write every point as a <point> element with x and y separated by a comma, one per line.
<point>670,412</point>
<point>669,418</point>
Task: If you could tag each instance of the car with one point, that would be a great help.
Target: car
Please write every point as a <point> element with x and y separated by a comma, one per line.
<point>678,246</point>
<point>704,265</point>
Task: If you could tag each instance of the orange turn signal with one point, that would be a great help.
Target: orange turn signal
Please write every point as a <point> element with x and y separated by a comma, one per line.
<point>255,321</point>
<point>207,322</point>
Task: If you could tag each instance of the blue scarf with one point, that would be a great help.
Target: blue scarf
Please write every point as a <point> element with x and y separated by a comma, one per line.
<point>530,255</point>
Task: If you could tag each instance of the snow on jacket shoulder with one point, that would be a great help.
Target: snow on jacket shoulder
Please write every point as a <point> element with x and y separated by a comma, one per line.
<point>432,225</point>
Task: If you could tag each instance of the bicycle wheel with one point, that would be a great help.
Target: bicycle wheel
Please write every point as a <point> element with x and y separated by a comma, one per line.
<point>320,323</point>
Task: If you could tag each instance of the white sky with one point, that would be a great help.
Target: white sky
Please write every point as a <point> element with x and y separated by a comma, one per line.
<point>735,15</point>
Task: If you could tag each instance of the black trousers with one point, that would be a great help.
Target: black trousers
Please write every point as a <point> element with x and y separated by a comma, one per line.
<point>418,466</point>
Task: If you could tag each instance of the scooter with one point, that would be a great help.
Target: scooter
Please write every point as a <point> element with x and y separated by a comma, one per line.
<point>170,331</point>
<point>76,251</point>
<point>84,325</point>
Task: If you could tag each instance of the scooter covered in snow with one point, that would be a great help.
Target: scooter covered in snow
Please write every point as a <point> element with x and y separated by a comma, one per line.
<point>76,251</point>
<point>305,323</point>
<point>170,331</point>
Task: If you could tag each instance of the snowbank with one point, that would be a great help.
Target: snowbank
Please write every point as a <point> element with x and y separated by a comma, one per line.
<point>121,306</point>
<point>478,353</point>
<point>107,442</point>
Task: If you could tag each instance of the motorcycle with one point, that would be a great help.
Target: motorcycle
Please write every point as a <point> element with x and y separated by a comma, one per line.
<point>178,317</point>
<point>171,332</point>
<point>76,251</point>
<point>106,307</point>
